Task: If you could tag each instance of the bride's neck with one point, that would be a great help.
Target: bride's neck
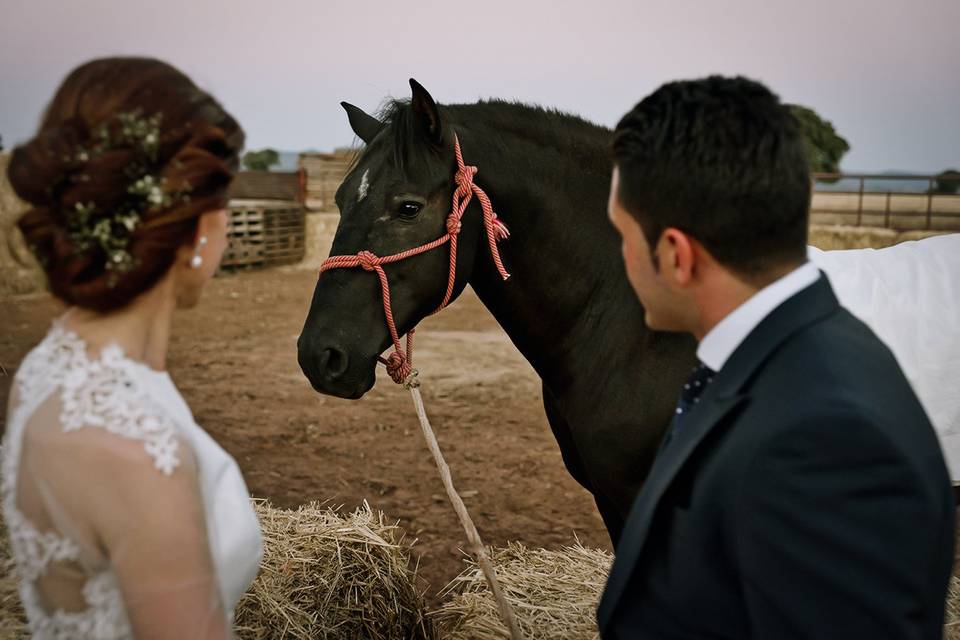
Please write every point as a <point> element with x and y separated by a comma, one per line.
<point>141,329</point>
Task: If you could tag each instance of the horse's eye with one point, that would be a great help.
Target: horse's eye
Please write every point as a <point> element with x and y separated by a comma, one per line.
<point>409,210</point>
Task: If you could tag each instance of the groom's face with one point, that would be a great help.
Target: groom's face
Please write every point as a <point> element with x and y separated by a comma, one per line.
<point>662,304</point>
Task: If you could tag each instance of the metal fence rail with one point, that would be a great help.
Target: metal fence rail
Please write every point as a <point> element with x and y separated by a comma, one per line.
<point>901,202</point>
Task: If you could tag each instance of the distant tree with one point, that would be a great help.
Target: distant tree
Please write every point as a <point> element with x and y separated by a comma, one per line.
<point>825,147</point>
<point>947,182</point>
<point>260,160</point>
<point>1,143</point>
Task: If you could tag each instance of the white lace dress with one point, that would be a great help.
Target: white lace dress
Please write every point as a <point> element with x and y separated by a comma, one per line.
<point>109,435</point>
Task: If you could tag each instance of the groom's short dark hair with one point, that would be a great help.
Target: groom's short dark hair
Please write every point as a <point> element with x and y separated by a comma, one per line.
<point>723,160</point>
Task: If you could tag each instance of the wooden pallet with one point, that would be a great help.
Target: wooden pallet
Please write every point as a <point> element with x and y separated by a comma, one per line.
<point>264,234</point>
<point>245,239</point>
<point>285,235</point>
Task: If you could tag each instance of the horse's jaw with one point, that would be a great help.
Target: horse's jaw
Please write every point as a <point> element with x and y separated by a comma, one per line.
<point>342,392</point>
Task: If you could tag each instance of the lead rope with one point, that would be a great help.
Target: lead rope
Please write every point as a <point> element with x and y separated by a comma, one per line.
<point>473,536</point>
<point>400,364</point>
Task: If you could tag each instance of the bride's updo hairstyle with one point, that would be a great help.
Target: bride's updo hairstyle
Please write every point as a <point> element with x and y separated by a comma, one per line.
<point>129,154</point>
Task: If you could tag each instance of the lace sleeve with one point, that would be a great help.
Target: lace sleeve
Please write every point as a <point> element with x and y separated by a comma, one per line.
<point>128,494</point>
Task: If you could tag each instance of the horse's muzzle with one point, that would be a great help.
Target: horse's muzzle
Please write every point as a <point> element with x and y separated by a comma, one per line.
<point>331,371</point>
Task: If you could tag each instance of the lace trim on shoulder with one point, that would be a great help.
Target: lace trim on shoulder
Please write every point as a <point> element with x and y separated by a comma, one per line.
<point>46,363</point>
<point>103,392</point>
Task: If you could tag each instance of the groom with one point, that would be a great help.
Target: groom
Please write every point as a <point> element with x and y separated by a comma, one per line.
<point>800,491</point>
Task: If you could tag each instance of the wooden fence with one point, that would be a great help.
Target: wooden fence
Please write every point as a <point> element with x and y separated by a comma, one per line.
<point>899,202</point>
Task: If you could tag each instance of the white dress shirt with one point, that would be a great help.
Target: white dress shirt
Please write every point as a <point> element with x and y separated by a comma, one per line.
<point>720,343</point>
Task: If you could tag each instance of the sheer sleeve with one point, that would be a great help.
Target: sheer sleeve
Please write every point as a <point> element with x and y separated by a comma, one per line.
<point>133,507</point>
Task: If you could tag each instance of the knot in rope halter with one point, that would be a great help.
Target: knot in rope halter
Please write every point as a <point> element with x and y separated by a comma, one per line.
<point>464,178</point>
<point>400,364</point>
<point>454,226</point>
<point>369,261</point>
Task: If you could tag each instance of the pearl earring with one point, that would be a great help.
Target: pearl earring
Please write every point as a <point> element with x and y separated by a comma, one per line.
<point>197,259</point>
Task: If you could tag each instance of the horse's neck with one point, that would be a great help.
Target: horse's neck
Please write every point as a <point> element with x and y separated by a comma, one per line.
<point>567,282</point>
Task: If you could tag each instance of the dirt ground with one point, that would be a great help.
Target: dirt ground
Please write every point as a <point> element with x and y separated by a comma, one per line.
<point>234,359</point>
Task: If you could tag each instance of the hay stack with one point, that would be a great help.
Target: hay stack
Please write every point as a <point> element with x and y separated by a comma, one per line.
<point>325,575</point>
<point>553,593</point>
<point>13,620</point>
<point>19,271</point>
<point>951,626</point>
<point>834,237</point>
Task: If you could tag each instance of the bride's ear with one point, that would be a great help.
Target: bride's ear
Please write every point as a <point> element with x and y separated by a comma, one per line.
<point>210,241</point>
<point>198,261</point>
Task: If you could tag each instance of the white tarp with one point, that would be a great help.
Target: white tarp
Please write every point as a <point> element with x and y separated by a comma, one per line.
<point>909,294</point>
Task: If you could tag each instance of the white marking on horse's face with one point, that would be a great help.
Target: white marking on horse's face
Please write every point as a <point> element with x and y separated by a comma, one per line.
<point>364,186</point>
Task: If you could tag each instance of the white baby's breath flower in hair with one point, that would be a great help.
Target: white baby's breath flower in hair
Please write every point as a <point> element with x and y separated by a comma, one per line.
<point>111,232</point>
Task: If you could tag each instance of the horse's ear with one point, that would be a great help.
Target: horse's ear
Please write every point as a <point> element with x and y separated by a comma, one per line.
<point>426,112</point>
<point>365,126</point>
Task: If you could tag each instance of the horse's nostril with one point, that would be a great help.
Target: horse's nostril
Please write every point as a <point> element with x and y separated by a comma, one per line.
<point>333,362</point>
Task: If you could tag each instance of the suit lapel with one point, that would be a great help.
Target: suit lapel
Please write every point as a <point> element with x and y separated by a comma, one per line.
<point>725,394</point>
<point>710,411</point>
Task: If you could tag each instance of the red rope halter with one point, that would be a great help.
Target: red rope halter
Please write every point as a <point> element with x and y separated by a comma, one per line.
<point>399,363</point>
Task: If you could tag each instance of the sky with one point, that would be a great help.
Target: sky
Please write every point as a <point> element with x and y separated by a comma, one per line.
<point>885,72</point>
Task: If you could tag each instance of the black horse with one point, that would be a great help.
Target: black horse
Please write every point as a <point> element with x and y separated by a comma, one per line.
<point>609,383</point>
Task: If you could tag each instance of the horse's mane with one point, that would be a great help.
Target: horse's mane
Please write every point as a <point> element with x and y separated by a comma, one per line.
<point>549,127</point>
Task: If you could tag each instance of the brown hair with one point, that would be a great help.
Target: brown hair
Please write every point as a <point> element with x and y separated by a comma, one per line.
<point>197,154</point>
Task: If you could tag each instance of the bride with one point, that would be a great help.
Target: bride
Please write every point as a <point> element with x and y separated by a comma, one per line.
<point>125,518</point>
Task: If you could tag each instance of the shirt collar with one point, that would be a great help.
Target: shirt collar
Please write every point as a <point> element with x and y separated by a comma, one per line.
<point>721,341</point>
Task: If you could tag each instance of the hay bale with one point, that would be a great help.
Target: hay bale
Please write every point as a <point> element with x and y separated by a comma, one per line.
<point>554,595</point>
<point>838,237</point>
<point>323,575</point>
<point>13,620</point>
<point>326,575</point>
<point>19,272</point>
<point>951,623</point>
<point>833,237</point>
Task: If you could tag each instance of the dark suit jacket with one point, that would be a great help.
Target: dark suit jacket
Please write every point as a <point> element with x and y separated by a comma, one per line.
<point>805,497</point>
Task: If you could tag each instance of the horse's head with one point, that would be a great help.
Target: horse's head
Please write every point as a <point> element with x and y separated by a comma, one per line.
<point>396,197</point>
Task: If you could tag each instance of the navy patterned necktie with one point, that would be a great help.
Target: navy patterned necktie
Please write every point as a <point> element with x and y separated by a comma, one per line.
<point>700,378</point>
